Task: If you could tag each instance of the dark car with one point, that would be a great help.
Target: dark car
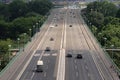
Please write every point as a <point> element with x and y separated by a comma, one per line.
<point>79,56</point>
<point>47,49</point>
<point>56,25</point>
<point>70,25</point>
<point>51,39</point>
<point>69,55</point>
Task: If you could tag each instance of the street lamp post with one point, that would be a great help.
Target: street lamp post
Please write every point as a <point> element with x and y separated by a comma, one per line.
<point>36,27</point>
<point>0,62</point>
<point>39,26</point>
<point>105,41</point>
<point>90,25</point>
<point>24,41</point>
<point>18,39</point>
<point>30,33</point>
<point>9,51</point>
<point>99,35</point>
<point>112,46</point>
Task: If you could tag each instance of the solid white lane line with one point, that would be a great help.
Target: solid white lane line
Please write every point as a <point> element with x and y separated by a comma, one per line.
<point>41,55</point>
<point>61,64</point>
<point>58,72</point>
<point>64,36</point>
<point>32,75</point>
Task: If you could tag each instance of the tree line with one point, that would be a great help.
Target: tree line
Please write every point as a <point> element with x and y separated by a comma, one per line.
<point>18,20</point>
<point>18,16</point>
<point>103,19</point>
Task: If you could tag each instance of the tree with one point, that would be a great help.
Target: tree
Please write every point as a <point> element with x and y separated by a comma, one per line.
<point>40,6</point>
<point>112,33</point>
<point>118,13</point>
<point>31,14</point>
<point>4,29</point>
<point>3,47</point>
<point>94,30</point>
<point>4,56</point>
<point>4,12</point>
<point>19,26</point>
<point>96,18</point>
<point>104,7</point>
<point>17,8</point>
<point>112,20</point>
<point>22,25</point>
<point>108,9</point>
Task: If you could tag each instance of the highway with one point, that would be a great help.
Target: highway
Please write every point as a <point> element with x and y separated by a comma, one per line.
<point>94,65</point>
<point>79,40</point>
<point>79,69</point>
<point>25,65</point>
<point>75,39</point>
<point>49,57</point>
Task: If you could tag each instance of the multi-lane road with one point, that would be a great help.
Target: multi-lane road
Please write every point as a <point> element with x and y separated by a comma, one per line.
<point>74,40</point>
<point>80,41</point>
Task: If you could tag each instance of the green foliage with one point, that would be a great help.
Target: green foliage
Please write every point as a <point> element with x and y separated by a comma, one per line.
<point>40,6</point>
<point>24,38</point>
<point>16,19</point>
<point>4,46</point>
<point>4,12</point>
<point>19,16</point>
<point>17,9</point>
<point>101,14</point>
<point>18,26</point>
<point>112,33</point>
<point>96,18</point>
<point>118,13</point>
<point>4,29</point>
<point>94,29</point>
<point>22,25</point>
<point>105,17</point>
<point>112,20</point>
<point>4,56</point>
<point>31,14</point>
<point>104,7</point>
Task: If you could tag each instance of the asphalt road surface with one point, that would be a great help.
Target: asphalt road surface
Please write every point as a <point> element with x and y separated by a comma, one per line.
<point>79,69</point>
<point>74,39</point>
<point>49,57</point>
